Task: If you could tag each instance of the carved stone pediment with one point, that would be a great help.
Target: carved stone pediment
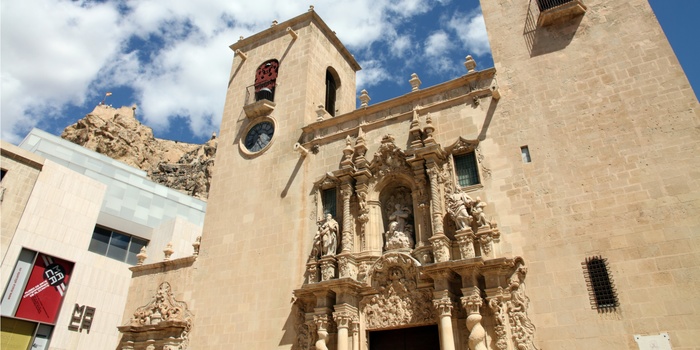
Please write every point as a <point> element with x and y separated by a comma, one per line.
<point>328,180</point>
<point>462,145</point>
<point>389,159</point>
<point>164,323</point>
<point>398,301</point>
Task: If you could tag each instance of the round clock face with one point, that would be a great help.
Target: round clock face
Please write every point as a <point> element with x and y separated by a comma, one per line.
<point>259,136</point>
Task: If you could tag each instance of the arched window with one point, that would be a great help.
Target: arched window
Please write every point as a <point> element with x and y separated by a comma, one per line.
<point>331,87</point>
<point>265,78</point>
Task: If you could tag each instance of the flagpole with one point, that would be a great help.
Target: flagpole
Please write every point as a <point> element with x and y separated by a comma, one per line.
<point>103,100</point>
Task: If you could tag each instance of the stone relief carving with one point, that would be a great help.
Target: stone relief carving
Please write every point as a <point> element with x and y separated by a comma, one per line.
<point>389,160</point>
<point>163,312</point>
<point>498,307</point>
<point>522,328</point>
<point>398,301</point>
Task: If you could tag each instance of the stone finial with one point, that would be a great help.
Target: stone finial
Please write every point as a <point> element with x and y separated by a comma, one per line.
<point>470,64</point>
<point>415,82</point>
<point>311,8</point>
<point>168,251</point>
<point>240,38</point>
<point>428,131</point>
<point>274,23</point>
<point>364,98</point>
<point>320,113</point>
<point>347,154</point>
<point>196,244</point>
<point>141,256</point>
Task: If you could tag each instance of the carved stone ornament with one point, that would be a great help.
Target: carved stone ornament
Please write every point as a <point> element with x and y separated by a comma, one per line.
<point>398,301</point>
<point>164,322</point>
<point>465,239</point>
<point>389,160</point>
<point>441,248</point>
<point>497,305</point>
<point>520,324</point>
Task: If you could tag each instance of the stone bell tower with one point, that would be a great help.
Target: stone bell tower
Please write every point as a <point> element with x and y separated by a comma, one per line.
<point>292,74</point>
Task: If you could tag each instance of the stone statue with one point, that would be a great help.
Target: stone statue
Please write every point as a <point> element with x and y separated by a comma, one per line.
<point>478,213</point>
<point>459,205</point>
<point>326,239</point>
<point>400,233</point>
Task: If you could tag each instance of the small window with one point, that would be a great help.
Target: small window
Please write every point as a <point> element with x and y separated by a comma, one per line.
<point>525,153</point>
<point>115,245</point>
<point>600,286</point>
<point>2,174</point>
<point>466,169</point>
<point>331,88</point>
<point>329,198</point>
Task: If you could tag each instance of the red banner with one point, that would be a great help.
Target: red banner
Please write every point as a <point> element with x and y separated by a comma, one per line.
<point>47,284</point>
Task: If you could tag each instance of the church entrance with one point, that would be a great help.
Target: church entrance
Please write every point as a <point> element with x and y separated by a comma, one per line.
<point>415,338</point>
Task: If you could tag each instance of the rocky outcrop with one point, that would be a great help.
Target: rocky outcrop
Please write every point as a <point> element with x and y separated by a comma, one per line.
<point>117,134</point>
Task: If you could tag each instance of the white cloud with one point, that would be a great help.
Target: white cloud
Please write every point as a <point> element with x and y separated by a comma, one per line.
<point>51,51</point>
<point>73,51</point>
<point>437,44</point>
<point>372,73</point>
<point>471,31</point>
<point>400,44</point>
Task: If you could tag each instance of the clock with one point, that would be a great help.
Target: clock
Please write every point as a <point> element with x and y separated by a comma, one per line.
<point>259,136</point>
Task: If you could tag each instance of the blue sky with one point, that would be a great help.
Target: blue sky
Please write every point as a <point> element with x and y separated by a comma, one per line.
<point>172,58</point>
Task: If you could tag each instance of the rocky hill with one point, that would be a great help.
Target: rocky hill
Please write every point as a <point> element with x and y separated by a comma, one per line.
<point>117,134</point>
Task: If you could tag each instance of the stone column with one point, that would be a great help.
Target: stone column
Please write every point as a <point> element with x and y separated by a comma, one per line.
<point>440,242</point>
<point>444,307</point>
<point>435,202</point>
<point>346,192</point>
<point>321,322</point>
<point>471,302</point>
<point>343,320</point>
<point>355,333</point>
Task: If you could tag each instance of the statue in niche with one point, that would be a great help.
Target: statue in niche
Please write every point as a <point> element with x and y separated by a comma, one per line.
<point>400,232</point>
<point>326,238</point>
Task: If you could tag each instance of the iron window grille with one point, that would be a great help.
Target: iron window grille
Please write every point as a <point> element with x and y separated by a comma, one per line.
<point>467,169</point>
<point>601,287</point>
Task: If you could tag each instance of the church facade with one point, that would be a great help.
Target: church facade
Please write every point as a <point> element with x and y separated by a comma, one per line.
<point>550,202</point>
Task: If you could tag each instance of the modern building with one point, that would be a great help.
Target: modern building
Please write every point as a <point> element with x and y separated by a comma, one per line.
<point>73,222</point>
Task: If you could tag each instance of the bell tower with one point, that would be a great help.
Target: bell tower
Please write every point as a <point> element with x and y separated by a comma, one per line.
<point>290,75</point>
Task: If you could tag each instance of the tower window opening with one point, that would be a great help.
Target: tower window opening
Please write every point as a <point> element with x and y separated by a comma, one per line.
<point>331,88</point>
<point>265,80</point>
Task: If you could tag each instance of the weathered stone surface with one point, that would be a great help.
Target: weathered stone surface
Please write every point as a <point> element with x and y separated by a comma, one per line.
<point>117,134</point>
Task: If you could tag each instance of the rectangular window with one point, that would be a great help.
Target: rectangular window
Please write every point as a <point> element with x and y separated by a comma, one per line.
<point>525,153</point>
<point>329,199</point>
<point>600,285</point>
<point>466,169</point>
<point>116,245</point>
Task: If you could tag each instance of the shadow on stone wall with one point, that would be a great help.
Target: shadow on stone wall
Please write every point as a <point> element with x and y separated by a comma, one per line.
<point>542,40</point>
